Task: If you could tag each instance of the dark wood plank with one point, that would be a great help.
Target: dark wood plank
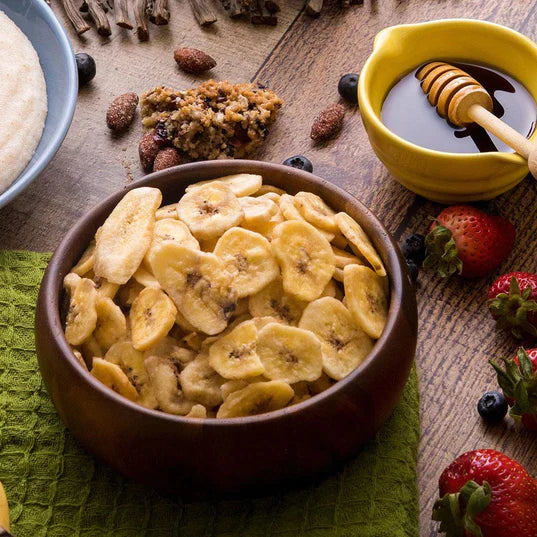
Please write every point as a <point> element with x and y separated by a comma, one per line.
<point>457,336</point>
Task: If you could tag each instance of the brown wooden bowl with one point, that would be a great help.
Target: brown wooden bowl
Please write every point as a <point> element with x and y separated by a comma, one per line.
<point>213,456</point>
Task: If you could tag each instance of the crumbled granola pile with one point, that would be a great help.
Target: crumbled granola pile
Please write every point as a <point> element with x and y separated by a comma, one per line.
<point>214,120</point>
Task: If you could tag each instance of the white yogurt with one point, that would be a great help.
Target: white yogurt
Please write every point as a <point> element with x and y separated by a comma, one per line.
<point>23,101</point>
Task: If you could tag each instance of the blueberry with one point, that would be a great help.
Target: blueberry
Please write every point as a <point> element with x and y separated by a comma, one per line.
<point>348,87</point>
<point>414,248</point>
<point>86,68</point>
<point>413,270</point>
<point>492,407</point>
<point>299,162</point>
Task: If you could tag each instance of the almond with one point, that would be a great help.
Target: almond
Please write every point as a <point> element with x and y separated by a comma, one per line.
<point>166,158</point>
<point>148,149</point>
<point>194,61</point>
<point>328,123</point>
<point>121,112</point>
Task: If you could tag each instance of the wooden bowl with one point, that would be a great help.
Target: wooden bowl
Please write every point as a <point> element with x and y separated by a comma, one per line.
<point>200,457</point>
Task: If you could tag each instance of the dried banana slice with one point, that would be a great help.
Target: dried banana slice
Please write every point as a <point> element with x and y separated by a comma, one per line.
<point>82,314</point>
<point>288,208</point>
<point>272,196</point>
<point>338,275</point>
<point>257,211</point>
<point>234,356</point>
<point>201,383</point>
<point>80,359</point>
<point>209,244</point>
<point>85,263</point>
<point>111,323</point>
<point>261,322</point>
<point>267,189</point>
<point>267,229</point>
<point>170,348</point>
<point>167,211</point>
<point>112,376</point>
<point>90,349</point>
<point>170,230</point>
<point>198,285</point>
<point>232,386</point>
<point>330,289</point>
<point>209,210</point>
<point>256,398</point>
<point>163,377</point>
<point>248,258</point>
<point>131,362</point>
<point>344,258</point>
<point>70,282</point>
<point>359,241</point>
<point>198,411</point>
<point>273,301</point>
<point>367,298</point>
<point>152,316</point>
<point>305,257</point>
<point>315,211</point>
<point>193,341</point>
<point>183,324</point>
<point>343,344</point>
<point>105,289</point>
<point>145,278</point>
<point>127,293</point>
<point>126,235</point>
<point>289,353</point>
<point>241,184</point>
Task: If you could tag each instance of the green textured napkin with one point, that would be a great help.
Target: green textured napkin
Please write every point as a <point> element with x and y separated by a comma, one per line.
<point>57,489</point>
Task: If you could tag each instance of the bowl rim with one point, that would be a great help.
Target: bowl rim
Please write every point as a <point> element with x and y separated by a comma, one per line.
<point>371,117</point>
<point>32,170</point>
<point>51,284</point>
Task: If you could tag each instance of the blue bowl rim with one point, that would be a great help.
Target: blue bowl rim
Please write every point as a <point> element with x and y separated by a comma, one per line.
<point>29,175</point>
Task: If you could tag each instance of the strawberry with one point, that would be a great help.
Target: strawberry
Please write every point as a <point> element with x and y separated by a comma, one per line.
<point>518,380</point>
<point>512,301</point>
<point>467,241</point>
<point>484,493</point>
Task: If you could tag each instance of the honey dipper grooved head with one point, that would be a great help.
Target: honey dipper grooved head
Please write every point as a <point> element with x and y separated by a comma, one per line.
<point>452,91</point>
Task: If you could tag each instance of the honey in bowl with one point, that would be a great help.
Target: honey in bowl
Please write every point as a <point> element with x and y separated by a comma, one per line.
<point>407,113</point>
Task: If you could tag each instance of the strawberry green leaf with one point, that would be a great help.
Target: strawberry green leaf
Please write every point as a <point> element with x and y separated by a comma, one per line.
<point>441,252</point>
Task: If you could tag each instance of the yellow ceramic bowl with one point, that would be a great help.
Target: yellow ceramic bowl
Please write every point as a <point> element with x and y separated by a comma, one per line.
<point>439,176</point>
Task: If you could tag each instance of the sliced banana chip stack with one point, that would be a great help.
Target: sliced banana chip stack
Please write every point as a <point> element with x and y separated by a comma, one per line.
<point>235,300</point>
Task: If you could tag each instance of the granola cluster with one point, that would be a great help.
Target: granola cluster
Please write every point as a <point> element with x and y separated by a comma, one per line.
<point>214,120</point>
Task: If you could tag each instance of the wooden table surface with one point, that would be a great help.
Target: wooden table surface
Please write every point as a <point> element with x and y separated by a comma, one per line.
<point>302,59</point>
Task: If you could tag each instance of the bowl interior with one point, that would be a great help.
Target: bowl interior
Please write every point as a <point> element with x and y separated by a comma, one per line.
<point>172,183</point>
<point>400,49</point>
<point>39,24</point>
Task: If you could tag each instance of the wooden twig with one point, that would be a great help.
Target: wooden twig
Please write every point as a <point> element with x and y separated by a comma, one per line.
<point>99,17</point>
<point>74,16</point>
<point>160,14</point>
<point>139,17</point>
<point>203,12</point>
<point>121,7</point>
<point>314,7</point>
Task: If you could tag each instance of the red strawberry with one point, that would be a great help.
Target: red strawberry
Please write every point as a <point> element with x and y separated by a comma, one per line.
<point>484,493</point>
<point>467,241</point>
<point>518,381</point>
<point>512,301</point>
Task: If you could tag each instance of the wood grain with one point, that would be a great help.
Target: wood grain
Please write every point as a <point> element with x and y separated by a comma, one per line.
<point>302,59</point>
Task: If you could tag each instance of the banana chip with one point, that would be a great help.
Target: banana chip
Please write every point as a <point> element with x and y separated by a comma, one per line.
<point>126,235</point>
<point>272,196</point>
<point>163,376</point>
<point>145,278</point>
<point>367,298</point>
<point>241,184</point>
<point>90,349</point>
<point>315,211</point>
<point>289,354</point>
<point>234,356</point>
<point>167,211</point>
<point>112,376</point>
<point>152,316</point>
<point>267,189</point>
<point>201,383</point>
<point>105,289</point>
<point>343,345</point>
<point>85,264</point>
<point>248,258</point>
<point>359,241</point>
<point>170,230</point>
<point>257,211</point>
<point>344,258</point>
<point>210,210</point>
<point>198,411</point>
<point>305,257</point>
<point>198,284</point>
<point>82,314</point>
<point>183,324</point>
<point>273,301</point>
<point>80,359</point>
<point>70,282</point>
<point>127,293</point>
<point>257,398</point>
<point>170,348</point>
<point>111,323</point>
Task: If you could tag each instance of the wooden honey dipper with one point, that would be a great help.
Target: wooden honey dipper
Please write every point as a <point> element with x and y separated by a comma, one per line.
<point>463,100</point>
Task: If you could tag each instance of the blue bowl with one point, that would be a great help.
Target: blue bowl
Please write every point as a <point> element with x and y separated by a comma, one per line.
<point>36,19</point>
